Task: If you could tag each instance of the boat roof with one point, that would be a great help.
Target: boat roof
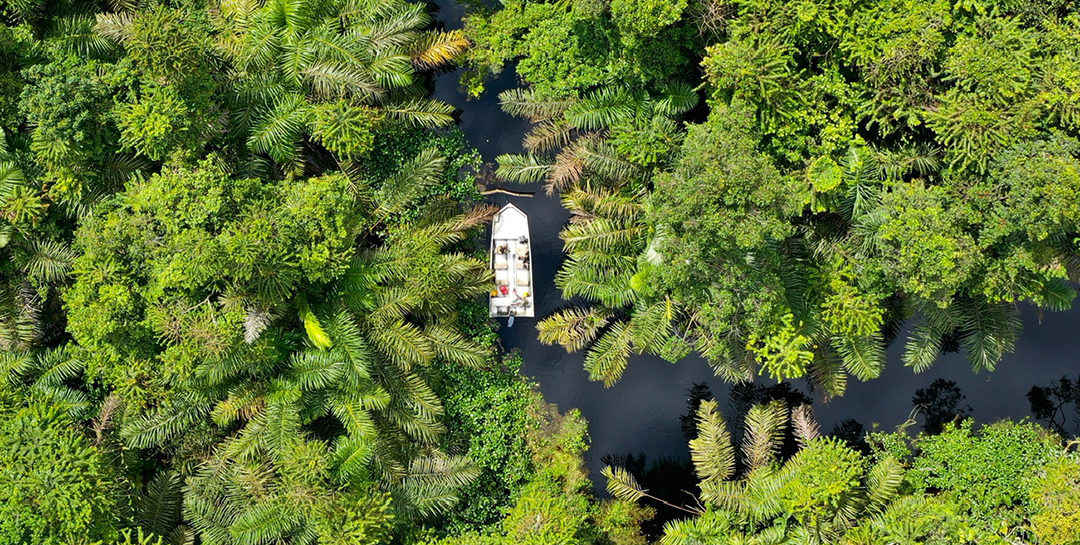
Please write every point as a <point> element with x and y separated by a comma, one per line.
<point>510,223</point>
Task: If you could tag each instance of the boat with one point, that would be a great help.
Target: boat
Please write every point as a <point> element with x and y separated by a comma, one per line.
<point>511,261</point>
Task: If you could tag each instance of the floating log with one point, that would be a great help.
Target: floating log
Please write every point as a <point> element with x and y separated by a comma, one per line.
<point>507,192</point>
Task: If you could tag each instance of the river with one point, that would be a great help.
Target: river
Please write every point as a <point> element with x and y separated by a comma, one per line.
<point>640,414</point>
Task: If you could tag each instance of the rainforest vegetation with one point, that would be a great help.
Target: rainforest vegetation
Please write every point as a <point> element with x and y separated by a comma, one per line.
<point>242,266</point>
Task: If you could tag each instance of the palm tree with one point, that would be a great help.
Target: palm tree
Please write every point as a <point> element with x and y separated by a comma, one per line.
<point>750,495</point>
<point>292,58</point>
<point>32,263</point>
<point>341,384</point>
<point>611,133</point>
<point>605,242</point>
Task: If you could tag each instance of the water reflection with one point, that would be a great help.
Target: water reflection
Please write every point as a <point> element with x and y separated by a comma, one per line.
<point>1057,405</point>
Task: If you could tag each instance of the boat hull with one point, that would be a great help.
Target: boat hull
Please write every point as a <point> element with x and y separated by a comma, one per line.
<point>511,263</point>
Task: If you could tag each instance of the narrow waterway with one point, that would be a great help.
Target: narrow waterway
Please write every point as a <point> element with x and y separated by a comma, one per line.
<point>640,414</point>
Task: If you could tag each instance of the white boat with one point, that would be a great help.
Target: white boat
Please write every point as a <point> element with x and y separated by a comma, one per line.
<point>511,260</point>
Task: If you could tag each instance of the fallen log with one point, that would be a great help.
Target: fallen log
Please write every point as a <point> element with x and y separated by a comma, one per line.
<point>507,192</point>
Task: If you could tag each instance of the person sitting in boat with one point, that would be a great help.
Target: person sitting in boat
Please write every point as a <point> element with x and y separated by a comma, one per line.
<point>523,240</point>
<point>503,249</point>
<point>524,257</point>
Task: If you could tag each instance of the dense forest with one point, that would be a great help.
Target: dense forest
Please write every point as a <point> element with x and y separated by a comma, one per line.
<point>244,267</point>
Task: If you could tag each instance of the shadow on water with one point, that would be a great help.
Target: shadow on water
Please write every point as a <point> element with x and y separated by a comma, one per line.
<point>639,416</point>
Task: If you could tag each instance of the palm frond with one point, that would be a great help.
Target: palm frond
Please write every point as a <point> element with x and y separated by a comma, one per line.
<point>48,261</point>
<point>159,426</point>
<point>988,332</point>
<point>863,357</point>
<point>622,485</point>
<point>278,128</point>
<point>332,79</point>
<point>411,181</point>
<point>572,328</point>
<point>157,508</point>
<point>711,451</point>
<point>607,359</point>
<point>351,457</point>
<point>603,108</point>
<point>529,104</point>
<point>115,26</point>
<point>433,49</point>
<point>804,424</point>
<point>522,169</point>
<point>423,113</point>
<point>404,343</point>
<point>454,347</point>
<point>548,136</point>
<point>675,99</point>
<point>763,433</point>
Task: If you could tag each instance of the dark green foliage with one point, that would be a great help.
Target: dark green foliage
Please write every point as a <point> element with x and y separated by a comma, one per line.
<point>554,504</point>
<point>392,148</point>
<point>489,409</point>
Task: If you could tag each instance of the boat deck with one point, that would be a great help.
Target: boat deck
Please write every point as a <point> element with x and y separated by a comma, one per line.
<point>511,261</point>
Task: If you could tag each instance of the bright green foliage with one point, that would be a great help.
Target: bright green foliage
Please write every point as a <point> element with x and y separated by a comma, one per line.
<point>150,259</point>
<point>345,129</point>
<point>56,487</point>
<point>155,124</point>
<point>567,48</point>
<point>931,254</point>
<point>646,17</point>
<point>824,480</point>
<point>170,45</point>
<point>1055,497</point>
<point>989,470</point>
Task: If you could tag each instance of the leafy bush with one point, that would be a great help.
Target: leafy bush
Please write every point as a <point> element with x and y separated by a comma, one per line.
<point>56,488</point>
<point>989,471</point>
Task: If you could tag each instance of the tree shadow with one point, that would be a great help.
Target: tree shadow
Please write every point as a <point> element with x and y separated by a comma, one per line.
<point>667,478</point>
<point>940,403</point>
<point>1051,405</point>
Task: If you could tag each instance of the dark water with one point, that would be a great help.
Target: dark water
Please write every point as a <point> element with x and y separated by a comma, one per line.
<point>641,413</point>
